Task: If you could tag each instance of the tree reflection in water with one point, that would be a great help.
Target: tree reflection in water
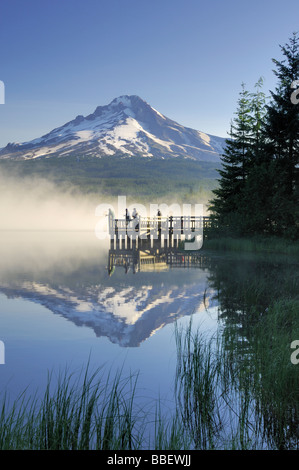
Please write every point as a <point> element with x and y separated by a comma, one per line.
<point>259,304</point>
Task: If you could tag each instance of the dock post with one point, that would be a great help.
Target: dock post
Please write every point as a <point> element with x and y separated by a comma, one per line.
<point>115,229</point>
<point>148,228</point>
<point>111,242</point>
<point>128,240</point>
<point>134,243</point>
<point>175,241</point>
<point>159,229</point>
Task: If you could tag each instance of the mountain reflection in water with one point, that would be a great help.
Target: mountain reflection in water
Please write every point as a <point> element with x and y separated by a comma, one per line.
<point>69,274</point>
<point>126,296</point>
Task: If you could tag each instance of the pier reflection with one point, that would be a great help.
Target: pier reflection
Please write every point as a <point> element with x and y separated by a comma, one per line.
<point>153,255</point>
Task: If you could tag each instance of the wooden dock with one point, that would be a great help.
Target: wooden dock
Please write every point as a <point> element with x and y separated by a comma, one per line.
<point>169,229</point>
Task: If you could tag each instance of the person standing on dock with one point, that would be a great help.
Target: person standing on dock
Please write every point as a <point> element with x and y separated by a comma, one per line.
<point>159,215</point>
<point>128,217</point>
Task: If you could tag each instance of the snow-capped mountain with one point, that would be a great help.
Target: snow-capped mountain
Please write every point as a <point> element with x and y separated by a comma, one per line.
<point>127,126</point>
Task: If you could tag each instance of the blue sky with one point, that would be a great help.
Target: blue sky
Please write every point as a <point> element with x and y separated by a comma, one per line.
<point>61,58</point>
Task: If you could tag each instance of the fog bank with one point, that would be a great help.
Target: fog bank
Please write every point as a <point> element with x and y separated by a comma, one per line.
<point>39,204</point>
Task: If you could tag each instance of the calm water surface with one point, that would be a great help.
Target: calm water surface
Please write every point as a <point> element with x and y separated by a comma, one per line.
<point>59,306</point>
<point>67,298</point>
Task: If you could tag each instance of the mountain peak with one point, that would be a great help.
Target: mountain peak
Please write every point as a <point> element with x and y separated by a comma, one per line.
<point>122,103</point>
<point>118,104</point>
<point>127,100</point>
<point>128,125</point>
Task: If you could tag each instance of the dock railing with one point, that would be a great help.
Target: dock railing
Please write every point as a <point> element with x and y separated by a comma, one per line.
<point>178,227</point>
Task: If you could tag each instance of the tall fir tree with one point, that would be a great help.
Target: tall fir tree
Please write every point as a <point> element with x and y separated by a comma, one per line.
<point>259,186</point>
<point>259,192</point>
<point>227,207</point>
<point>258,114</point>
<point>282,141</point>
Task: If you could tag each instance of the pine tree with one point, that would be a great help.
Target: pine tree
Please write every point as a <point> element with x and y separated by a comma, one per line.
<point>282,137</point>
<point>258,193</point>
<point>258,115</point>
<point>259,186</point>
<point>227,207</point>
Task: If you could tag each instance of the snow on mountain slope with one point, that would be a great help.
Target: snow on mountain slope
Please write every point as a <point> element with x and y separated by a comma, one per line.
<point>127,126</point>
<point>127,315</point>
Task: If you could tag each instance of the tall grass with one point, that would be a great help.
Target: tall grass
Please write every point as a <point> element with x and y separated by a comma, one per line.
<point>73,414</point>
<point>215,409</point>
<point>241,397</point>
<point>277,384</point>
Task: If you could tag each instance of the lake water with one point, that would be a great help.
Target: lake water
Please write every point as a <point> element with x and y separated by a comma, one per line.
<point>66,299</point>
<point>60,307</point>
